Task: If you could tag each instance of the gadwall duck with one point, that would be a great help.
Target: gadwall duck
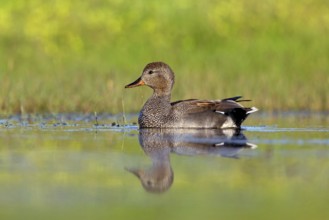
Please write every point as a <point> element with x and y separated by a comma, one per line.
<point>159,112</point>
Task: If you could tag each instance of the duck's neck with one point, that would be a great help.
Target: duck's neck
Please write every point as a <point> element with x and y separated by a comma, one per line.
<point>164,92</point>
<point>157,105</point>
<point>165,97</point>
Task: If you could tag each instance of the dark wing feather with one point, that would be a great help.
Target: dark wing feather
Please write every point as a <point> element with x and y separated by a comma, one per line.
<point>235,98</point>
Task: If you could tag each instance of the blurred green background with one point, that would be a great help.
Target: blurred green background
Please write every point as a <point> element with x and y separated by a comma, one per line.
<point>76,56</point>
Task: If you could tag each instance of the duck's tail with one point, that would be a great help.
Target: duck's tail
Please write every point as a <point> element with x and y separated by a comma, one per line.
<point>237,115</point>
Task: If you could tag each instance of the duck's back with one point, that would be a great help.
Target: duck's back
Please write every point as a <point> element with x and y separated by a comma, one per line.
<point>194,113</point>
<point>225,113</point>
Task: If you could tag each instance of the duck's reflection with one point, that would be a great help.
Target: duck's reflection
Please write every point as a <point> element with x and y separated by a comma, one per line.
<point>159,143</point>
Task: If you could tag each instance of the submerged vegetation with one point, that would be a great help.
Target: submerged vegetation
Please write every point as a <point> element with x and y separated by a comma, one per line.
<point>63,56</point>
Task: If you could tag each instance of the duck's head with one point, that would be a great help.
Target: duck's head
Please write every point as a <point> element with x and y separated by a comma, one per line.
<point>157,179</point>
<point>156,75</point>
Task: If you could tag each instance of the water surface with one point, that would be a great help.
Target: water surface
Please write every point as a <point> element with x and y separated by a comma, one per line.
<point>72,166</point>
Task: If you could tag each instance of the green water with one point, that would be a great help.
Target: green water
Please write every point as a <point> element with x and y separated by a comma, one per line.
<point>68,168</point>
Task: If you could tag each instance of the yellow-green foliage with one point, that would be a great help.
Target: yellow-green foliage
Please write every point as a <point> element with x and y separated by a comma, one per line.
<point>61,55</point>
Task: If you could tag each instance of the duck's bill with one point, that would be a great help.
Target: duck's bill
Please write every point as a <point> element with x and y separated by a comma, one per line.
<point>138,82</point>
<point>134,171</point>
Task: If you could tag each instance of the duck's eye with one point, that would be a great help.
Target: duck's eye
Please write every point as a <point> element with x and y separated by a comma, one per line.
<point>150,72</point>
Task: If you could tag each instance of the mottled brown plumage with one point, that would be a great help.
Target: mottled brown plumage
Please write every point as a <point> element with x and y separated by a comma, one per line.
<point>159,112</point>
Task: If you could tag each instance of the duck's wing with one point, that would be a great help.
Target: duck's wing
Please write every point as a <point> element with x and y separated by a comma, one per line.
<point>229,107</point>
<point>199,105</point>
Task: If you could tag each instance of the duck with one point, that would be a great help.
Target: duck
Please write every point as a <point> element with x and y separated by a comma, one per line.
<point>160,112</point>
